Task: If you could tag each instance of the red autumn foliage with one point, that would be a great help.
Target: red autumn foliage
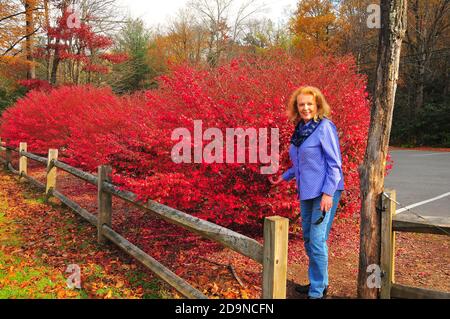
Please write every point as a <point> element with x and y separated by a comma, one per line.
<point>92,126</point>
<point>115,58</point>
<point>102,69</point>
<point>89,49</point>
<point>35,84</point>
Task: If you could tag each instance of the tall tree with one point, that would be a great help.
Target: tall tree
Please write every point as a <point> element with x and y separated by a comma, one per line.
<point>187,37</point>
<point>265,34</point>
<point>429,24</point>
<point>314,25</point>
<point>63,5</point>
<point>78,53</point>
<point>225,21</point>
<point>353,34</point>
<point>30,6</point>
<point>18,24</point>
<point>135,73</point>
<point>84,50</point>
<point>104,16</point>
<point>372,172</point>
<point>13,16</point>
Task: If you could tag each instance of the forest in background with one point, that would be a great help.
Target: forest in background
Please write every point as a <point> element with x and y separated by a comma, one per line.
<point>50,43</point>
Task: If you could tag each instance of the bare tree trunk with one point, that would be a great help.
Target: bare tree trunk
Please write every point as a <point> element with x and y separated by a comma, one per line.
<point>47,26</point>
<point>427,26</point>
<point>393,28</point>
<point>55,64</point>
<point>447,79</point>
<point>29,31</point>
<point>56,58</point>
<point>420,86</point>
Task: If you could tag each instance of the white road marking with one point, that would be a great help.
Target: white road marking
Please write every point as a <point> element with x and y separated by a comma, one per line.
<point>422,203</point>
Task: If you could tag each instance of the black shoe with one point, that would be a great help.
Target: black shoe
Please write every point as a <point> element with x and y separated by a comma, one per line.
<point>302,289</point>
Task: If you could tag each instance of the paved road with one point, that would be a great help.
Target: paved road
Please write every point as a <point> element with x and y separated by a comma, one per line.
<point>419,176</point>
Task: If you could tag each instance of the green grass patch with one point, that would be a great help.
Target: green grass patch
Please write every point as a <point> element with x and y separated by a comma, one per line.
<point>32,278</point>
<point>151,288</point>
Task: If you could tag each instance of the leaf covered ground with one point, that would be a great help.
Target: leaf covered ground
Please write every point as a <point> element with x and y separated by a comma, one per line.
<point>38,241</point>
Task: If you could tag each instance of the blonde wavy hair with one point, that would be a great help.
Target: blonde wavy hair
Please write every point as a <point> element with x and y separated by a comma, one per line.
<point>323,109</point>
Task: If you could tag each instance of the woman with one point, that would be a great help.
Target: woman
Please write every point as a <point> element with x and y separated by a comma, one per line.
<point>317,168</point>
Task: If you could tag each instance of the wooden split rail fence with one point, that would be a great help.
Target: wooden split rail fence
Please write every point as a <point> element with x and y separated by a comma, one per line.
<point>404,222</point>
<point>272,254</point>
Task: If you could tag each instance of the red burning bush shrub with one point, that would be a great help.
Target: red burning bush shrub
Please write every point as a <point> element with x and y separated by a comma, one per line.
<point>92,126</point>
<point>35,84</point>
<point>55,119</point>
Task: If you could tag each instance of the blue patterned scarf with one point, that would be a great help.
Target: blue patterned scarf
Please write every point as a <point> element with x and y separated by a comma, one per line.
<point>303,131</point>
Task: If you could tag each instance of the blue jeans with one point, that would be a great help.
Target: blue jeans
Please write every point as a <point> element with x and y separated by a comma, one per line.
<point>315,238</point>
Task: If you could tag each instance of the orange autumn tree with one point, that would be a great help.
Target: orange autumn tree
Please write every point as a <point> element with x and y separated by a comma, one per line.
<point>11,29</point>
<point>184,41</point>
<point>18,25</point>
<point>353,34</point>
<point>313,25</point>
<point>19,21</point>
<point>10,32</point>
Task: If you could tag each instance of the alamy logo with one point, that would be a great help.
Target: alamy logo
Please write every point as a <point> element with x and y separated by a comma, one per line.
<point>374,279</point>
<point>74,280</point>
<point>374,18</point>
<point>235,150</point>
<point>73,20</point>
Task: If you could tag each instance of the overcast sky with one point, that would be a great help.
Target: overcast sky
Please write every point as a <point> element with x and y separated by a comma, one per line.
<point>155,12</point>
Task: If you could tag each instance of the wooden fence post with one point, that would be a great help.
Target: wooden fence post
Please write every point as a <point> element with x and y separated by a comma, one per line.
<point>23,161</point>
<point>51,172</point>
<point>104,202</point>
<point>276,231</point>
<point>387,243</point>
<point>8,156</point>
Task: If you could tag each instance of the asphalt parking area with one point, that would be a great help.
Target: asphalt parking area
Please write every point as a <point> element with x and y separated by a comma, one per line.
<point>421,178</point>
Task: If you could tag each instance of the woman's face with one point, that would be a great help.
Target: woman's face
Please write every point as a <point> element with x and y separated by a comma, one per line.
<point>307,107</point>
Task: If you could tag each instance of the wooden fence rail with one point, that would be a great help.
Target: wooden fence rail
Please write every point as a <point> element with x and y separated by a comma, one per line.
<point>237,242</point>
<point>272,254</point>
<point>413,224</point>
<point>391,223</point>
<point>87,177</point>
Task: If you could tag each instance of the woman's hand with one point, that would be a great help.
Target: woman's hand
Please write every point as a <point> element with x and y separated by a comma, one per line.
<point>327,203</point>
<point>275,181</point>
